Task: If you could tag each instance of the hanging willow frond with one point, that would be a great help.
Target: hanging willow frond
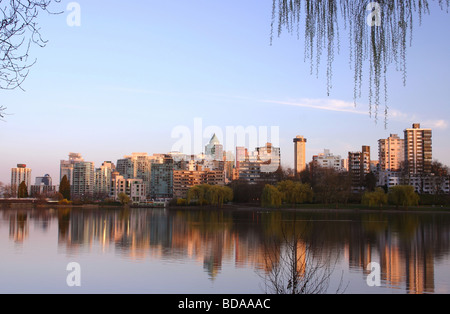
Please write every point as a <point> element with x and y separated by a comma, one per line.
<point>380,44</point>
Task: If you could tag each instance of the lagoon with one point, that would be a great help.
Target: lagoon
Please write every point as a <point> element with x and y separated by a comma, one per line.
<point>229,251</point>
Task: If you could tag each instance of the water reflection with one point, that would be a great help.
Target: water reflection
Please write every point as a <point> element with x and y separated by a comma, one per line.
<point>407,246</point>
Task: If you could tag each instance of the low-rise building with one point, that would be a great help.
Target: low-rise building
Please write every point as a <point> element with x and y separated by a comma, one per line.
<point>183,180</point>
<point>134,188</point>
<point>328,160</point>
<point>422,183</point>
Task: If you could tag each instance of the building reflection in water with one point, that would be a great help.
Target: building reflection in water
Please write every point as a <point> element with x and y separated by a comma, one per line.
<point>406,246</point>
<point>18,227</point>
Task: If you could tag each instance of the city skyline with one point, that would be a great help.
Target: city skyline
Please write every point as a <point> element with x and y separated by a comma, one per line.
<point>91,94</point>
<point>62,164</point>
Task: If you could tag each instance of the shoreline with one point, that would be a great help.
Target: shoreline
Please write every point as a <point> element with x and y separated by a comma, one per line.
<point>236,207</point>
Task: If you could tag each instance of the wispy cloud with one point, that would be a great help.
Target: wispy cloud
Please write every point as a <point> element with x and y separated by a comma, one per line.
<point>397,115</point>
<point>349,107</point>
<point>321,104</point>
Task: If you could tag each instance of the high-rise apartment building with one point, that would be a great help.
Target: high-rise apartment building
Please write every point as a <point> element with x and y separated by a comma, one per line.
<point>299,154</point>
<point>125,167</point>
<point>270,158</point>
<point>83,180</point>
<point>241,154</point>
<point>19,175</point>
<point>418,149</point>
<point>162,179</point>
<point>139,166</point>
<point>66,166</point>
<point>359,166</point>
<point>214,149</point>
<point>102,184</point>
<point>391,153</point>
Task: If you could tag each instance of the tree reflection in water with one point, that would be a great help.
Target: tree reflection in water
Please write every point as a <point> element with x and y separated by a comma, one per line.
<point>296,262</point>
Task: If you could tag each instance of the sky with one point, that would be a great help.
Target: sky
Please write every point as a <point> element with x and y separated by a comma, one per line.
<point>134,74</point>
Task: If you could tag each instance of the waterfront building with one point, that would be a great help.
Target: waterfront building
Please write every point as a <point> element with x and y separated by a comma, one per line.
<point>43,186</point>
<point>183,180</point>
<point>18,175</point>
<point>102,182</point>
<point>139,166</point>
<point>134,188</point>
<point>162,178</point>
<point>83,180</point>
<point>66,166</point>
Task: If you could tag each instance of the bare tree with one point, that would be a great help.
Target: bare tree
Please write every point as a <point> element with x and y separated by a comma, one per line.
<point>2,112</point>
<point>19,30</point>
<point>8,191</point>
<point>297,264</point>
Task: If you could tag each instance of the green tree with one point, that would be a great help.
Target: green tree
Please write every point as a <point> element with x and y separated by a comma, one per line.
<point>23,190</point>
<point>271,196</point>
<point>375,198</point>
<point>64,188</point>
<point>295,192</point>
<point>214,195</point>
<point>197,193</point>
<point>403,195</point>
<point>124,199</point>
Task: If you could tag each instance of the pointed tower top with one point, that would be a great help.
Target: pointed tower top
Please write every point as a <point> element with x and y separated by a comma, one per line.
<point>214,139</point>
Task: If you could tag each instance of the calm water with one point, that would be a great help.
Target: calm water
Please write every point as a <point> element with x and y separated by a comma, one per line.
<point>203,251</point>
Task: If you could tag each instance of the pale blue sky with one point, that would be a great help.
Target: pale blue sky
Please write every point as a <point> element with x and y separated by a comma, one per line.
<point>135,70</point>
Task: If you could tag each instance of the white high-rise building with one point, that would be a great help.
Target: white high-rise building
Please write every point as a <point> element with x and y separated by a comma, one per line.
<point>102,186</point>
<point>83,180</point>
<point>391,153</point>
<point>19,175</point>
<point>66,166</point>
